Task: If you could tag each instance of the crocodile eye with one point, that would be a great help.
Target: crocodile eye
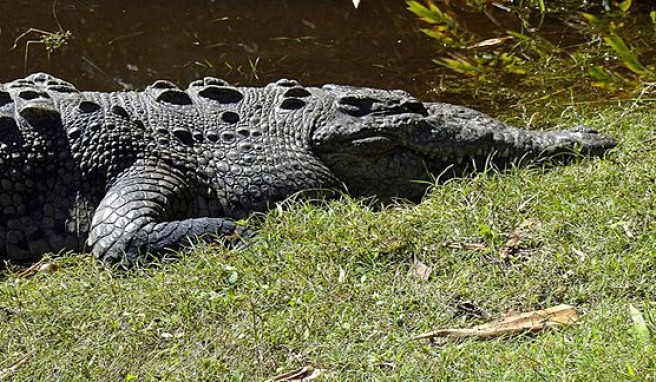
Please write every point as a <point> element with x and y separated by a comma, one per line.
<point>416,106</point>
<point>360,106</point>
<point>356,106</point>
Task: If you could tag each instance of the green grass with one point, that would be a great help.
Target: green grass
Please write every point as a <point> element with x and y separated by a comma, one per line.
<point>328,286</point>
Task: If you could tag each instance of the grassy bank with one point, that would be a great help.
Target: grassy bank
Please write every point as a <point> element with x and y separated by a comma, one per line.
<point>330,286</point>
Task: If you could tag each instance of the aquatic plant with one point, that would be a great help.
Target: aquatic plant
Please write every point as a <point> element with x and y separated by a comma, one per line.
<point>604,40</point>
<point>51,41</point>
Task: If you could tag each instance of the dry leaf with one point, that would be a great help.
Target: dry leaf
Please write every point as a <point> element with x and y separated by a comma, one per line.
<point>39,267</point>
<point>16,364</point>
<point>48,268</point>
<point>303,374</point>
<point>512,244</point>
<point>471,309</point>
<point>467,246</point>
<point>628,232</point>
<point>516,324</point>
<point>420,270</point>
<point>342,275</point>
<point>490,42</point>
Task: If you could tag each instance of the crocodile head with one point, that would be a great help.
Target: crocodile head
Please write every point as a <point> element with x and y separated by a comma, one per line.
<point>389,144</point>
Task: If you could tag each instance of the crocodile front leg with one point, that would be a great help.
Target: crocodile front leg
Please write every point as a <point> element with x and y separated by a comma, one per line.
<point>134,219</point>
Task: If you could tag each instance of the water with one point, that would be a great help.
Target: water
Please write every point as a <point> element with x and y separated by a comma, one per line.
<point>128,44</point>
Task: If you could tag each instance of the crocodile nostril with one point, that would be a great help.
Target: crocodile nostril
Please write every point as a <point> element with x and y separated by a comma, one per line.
<point>31,94</point>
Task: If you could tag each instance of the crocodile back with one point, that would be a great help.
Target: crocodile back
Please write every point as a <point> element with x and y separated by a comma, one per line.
<point>229,152</point>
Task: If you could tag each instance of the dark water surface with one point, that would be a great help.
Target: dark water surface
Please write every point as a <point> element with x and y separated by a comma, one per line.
<point>128,44</point>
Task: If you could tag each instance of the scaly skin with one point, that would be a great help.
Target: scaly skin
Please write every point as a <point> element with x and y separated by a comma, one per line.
<point>129,173</point>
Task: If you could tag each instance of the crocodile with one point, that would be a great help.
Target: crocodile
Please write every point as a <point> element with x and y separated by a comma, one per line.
<point>126,175</point>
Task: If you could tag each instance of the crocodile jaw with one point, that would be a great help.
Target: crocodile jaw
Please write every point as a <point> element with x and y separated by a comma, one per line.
<point>400,155</point>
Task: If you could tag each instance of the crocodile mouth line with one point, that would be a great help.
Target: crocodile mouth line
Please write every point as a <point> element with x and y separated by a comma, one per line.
<point>477,156</point>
